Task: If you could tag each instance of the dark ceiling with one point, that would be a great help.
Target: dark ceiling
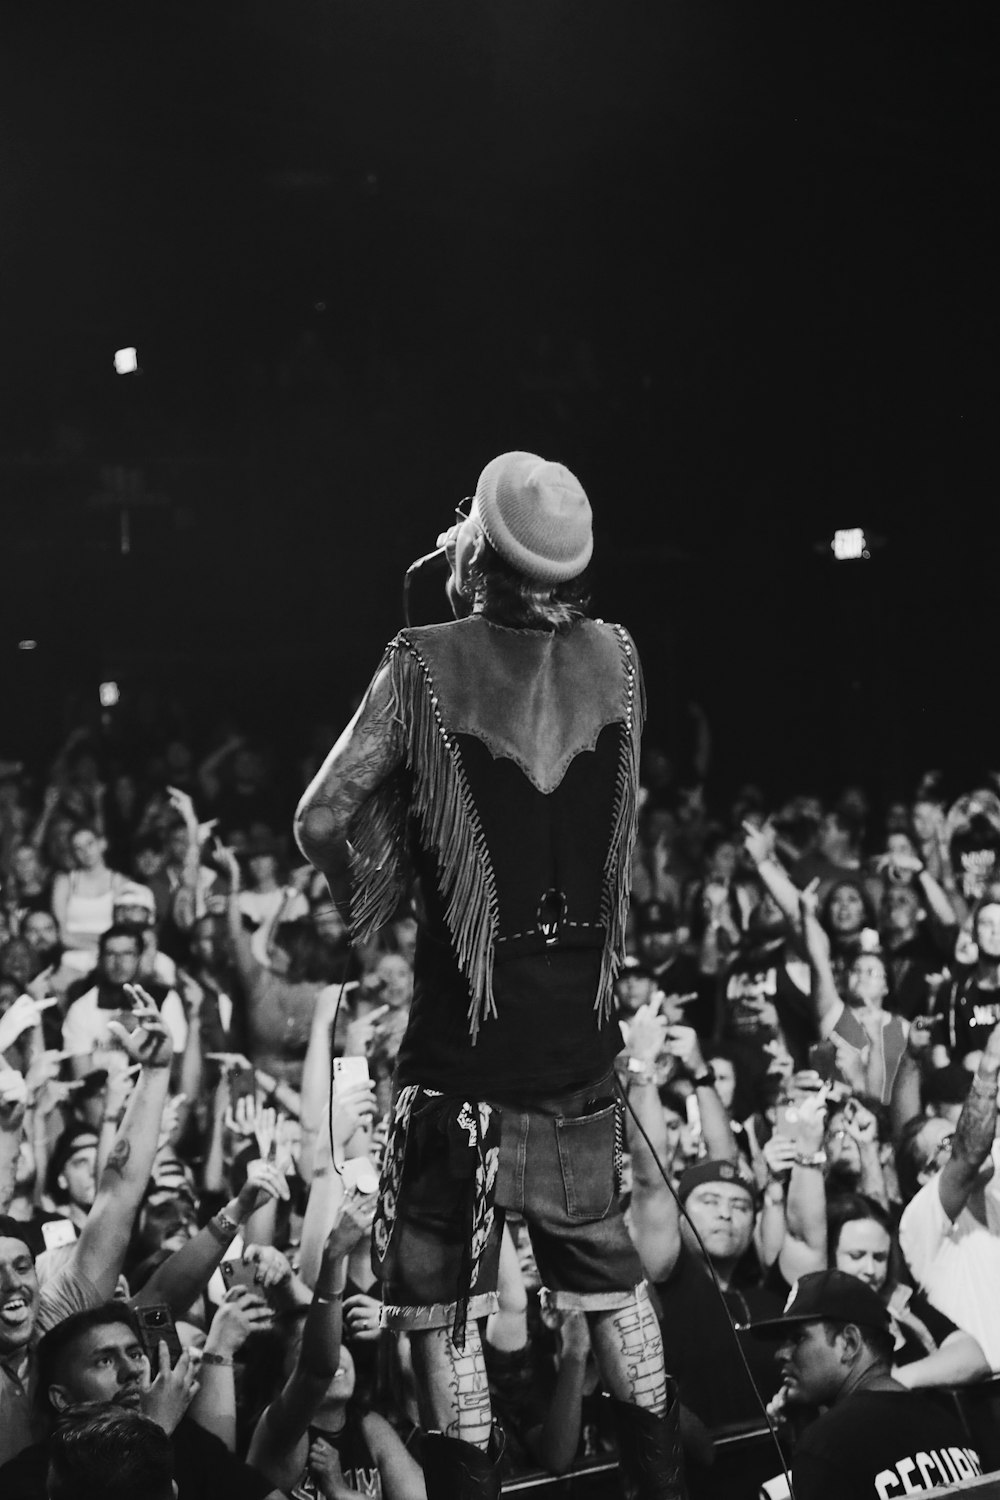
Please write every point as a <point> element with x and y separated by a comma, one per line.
<point>732,262</point>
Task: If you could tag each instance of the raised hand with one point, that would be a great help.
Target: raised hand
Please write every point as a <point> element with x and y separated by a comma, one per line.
<point>361,1317</point>
<point>758,842</point>
<point>22,1015</point>
<point>779,1154</point>
<point>682,1043</point>
<point>149,1042</point>
<point>350,1108</point>
<point>13,1098</point>
<point>646,1033</point>
<point>173,1390</point>
<point>273,1268</point>
<point>363,1033</point>
<point>264,1179</point>
<point>241,1313</point>
<point>325,1468</point>
<point>353,1220</point>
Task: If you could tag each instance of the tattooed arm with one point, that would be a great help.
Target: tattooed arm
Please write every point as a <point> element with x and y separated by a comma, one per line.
<point>100,1251</point>
<point>368,751</point>
<point>974,1132</point>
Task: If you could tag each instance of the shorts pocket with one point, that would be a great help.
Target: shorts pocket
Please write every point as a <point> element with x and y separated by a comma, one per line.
<point>587,1162</point>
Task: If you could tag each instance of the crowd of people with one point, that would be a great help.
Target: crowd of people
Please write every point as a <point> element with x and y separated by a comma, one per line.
<point>189,1149</point>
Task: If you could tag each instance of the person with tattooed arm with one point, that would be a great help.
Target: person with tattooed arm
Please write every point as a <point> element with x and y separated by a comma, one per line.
<point>950,1230</point>
<point>495,758</point>
<point>91,1274</point>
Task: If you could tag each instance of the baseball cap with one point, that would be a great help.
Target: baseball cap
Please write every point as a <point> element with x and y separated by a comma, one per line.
<point>715,1170</point>
<point>834,1295</point>
<point>634,968</point>
<point>136,895</point>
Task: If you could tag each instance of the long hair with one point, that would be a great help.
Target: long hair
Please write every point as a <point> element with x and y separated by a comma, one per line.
<point>507,597</point>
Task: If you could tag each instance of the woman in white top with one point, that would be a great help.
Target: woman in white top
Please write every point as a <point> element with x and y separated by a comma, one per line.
<point>83,900</point>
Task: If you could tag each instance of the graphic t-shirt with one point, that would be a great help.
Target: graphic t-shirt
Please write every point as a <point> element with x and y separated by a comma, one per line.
<point>357,1464</point>
<point>971,1012</point>
<point>880,1444</point>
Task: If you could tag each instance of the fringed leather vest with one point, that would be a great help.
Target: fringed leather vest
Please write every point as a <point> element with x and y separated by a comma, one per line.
<point>516,809</point>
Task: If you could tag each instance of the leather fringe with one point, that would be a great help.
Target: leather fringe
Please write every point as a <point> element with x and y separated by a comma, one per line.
<point>442,804</point>
<point>617,883</point>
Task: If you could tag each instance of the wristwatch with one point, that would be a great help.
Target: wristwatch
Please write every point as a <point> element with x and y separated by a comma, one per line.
<point>705,1080</point>
<point>815,1159</point>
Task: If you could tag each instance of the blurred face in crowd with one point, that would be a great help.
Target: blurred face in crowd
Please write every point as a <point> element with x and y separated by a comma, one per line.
<point>725,1079</point>
<point>396,978</point>
<point>18,1295</point>
<point>722,864</point>
<point>899,845</point>
<point>106,1363</point>
<point>846,910</point>
<point>59,842</point>
<point>177,845</point>
<point>766,920</point>
<point>927,820</point>
<point>88,849</point>
<point>405,933</point>
<point>262,869</point>
<point>248,769</point>
<point>868,982</point>
<point>659,944</point>
<point>178,757</point>
<point>722,1213</point>
<point>147,863</point>
<point>338,1392</point>
<point>863,1251</point>
<point>17,961</point>
<point>988,931</point>
<point>119,959</point>
<point>27,867</point>
<point>77,1178</point>
<point>40,930</point>
<point>900,910</point>
<point>634,989</point>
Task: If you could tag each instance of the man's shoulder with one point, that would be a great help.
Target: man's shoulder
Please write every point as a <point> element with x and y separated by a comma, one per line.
<point>24,1476</point>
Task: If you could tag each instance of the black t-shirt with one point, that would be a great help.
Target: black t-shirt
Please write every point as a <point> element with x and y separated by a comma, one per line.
<point>970,1012</point>
<point>698,1344</point>
<point>203,1468</point>
<point>881,1444</point>
<point>357,1463</point>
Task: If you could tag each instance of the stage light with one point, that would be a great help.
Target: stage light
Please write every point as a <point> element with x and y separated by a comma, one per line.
<point>27,645</point>
<point>126,361</point>
<point>850,544</point>
<point>109,694</point>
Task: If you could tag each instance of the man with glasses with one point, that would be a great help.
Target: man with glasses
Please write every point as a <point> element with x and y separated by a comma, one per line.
<point>496,756</point>
<point>950,1230</point>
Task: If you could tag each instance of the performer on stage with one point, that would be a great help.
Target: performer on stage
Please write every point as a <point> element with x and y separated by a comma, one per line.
<point>495,759</point>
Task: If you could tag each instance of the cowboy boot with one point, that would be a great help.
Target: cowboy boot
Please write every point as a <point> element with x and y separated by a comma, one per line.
<point>649,1448</point>
<point>455,1470</point>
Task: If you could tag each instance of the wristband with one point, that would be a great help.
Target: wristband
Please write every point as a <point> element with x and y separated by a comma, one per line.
<point>640,1072</point>
<point>774,1193</point>
<point>705,1080</point>
<point>223,1227</point>
<point>329,1294</point>
<point>814,1159</point>
<point>207,1358</point>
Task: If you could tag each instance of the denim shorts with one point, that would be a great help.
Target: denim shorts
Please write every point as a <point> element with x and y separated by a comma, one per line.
<point>559,1167</point>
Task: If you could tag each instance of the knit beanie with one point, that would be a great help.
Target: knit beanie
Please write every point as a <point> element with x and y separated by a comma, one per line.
<point>536,515</point>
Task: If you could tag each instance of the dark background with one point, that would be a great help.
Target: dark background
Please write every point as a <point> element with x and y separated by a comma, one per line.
<point>732,262</point>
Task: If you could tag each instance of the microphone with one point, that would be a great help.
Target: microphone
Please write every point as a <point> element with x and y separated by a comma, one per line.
<point>425,597</point>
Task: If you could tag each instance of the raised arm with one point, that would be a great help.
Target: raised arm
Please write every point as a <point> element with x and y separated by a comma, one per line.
<point>186,1273</point>
<point>247,965</point>
<point>288,1417</point>
<point>805,1244</point>
<point>720,1143</point>
<point>974,1132</point>
<point>368,751</point>
<point>100,1251</point>
<point>655,1216</point>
